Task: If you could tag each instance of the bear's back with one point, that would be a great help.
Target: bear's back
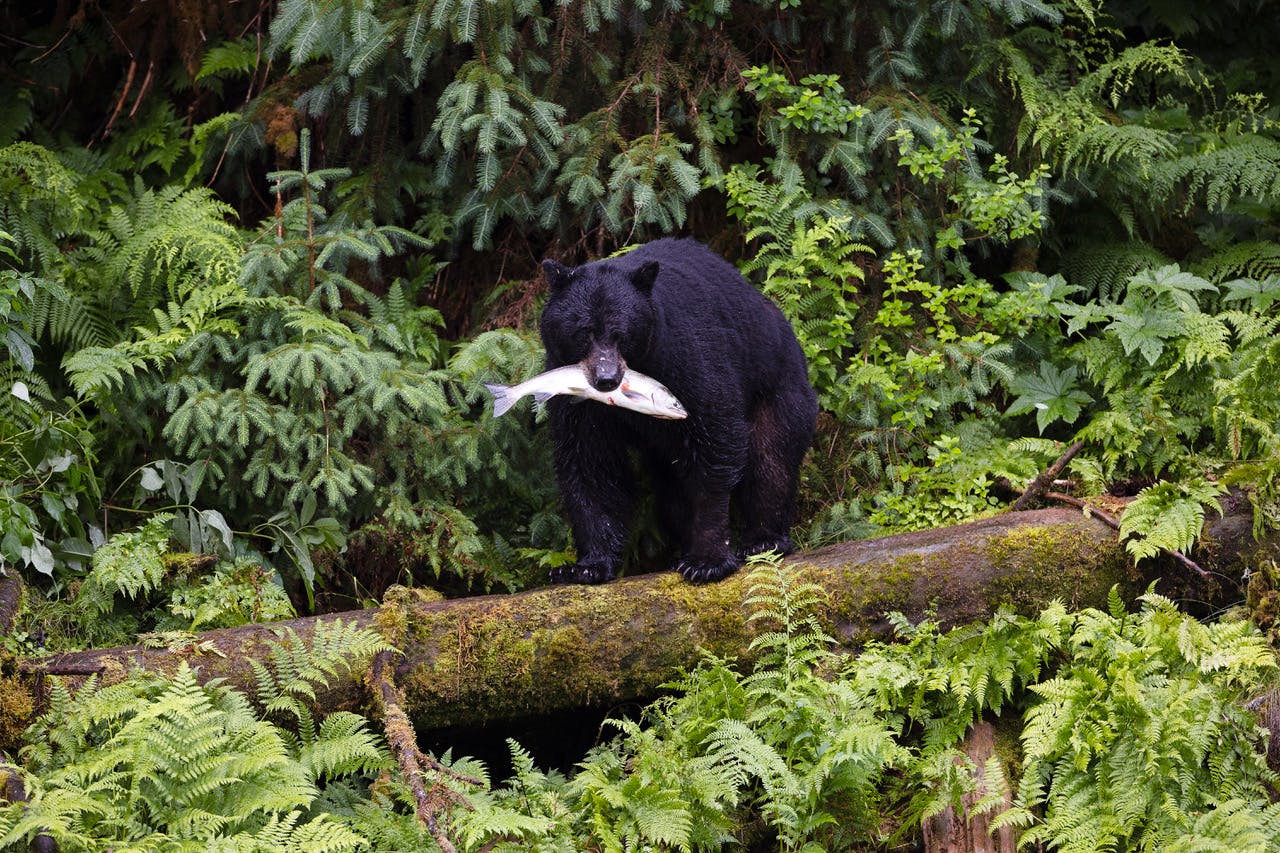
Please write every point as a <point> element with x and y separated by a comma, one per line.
<point>713,324</point>
<point>691,275</point>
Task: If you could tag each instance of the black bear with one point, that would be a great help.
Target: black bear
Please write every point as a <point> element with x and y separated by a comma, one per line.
<point>676,311</point>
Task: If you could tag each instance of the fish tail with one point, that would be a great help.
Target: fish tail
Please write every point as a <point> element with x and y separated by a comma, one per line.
<point>502,399</point>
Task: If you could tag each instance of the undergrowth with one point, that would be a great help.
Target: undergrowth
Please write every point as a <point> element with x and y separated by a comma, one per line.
<point>1133,736</point>
<point>168,763</point>
<point>1132,729</point>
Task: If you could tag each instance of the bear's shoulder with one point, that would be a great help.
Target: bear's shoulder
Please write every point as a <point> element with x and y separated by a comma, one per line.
<point>691,274</point>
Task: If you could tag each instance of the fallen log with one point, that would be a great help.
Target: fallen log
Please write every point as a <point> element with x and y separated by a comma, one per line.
<point>476,660</point>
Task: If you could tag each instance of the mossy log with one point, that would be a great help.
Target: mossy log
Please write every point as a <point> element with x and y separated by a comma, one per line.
<point>476,660</point>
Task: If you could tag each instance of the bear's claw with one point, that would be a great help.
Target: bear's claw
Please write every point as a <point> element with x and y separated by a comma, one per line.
<point>583,573</point>
<point>781,544</point>
<point>706,569</point>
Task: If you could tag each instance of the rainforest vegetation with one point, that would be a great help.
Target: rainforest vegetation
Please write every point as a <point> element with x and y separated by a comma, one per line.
<point>258,258</point>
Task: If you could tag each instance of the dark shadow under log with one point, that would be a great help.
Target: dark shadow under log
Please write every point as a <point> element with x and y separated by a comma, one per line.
<point>489,658</point>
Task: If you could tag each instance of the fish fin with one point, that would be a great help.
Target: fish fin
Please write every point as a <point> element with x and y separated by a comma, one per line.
<point>632,395</point>
<point>542,396</point>
<point>502,399</point>
<point>576,394</point>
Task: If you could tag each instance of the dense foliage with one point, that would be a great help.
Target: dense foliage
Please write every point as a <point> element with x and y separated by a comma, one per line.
<point>1134,737</point>
<point>257,259</point>
<point>170,764</point>
<point>991,223</point>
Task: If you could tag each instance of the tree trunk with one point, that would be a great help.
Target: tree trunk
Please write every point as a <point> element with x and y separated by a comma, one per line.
<point>968,832</point>
<point>475,660</point>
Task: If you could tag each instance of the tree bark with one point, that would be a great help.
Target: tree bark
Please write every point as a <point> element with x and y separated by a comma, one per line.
<point>10,601</point>
<point>477,660</point>
<point>968,832</point>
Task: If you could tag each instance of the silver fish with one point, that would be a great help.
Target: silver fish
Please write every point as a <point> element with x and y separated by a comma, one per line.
<point>638,392</point>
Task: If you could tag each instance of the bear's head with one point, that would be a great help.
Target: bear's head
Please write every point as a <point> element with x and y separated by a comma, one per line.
<point>600,315</point>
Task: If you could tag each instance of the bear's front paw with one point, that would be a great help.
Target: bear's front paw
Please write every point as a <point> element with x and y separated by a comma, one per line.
<point>781,544</point>
<point>704,569</point>
<point>583,573</point>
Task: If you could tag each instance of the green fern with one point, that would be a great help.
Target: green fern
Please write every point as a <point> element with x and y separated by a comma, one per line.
<point>1253,260</point>
<point>802,782</point>
<point>39,200</point>
<point>1245,169</point>
<point>1167,515</point>
<point>1069,123</point>
<point>792,639</point>
<point>232,595</point>
<point>128,564</point>
<point>1129,767</point>
<point>296,669</point>
<point>1231,826</point>
<point>231,58</point>
<point>1174,347</point>
<point>1103,269</point>
<point>1135,738</point>
<point>170,762</point>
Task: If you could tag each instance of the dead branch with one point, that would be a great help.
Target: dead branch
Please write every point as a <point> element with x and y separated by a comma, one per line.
<point>1046,477</point>
<point>404,746</point>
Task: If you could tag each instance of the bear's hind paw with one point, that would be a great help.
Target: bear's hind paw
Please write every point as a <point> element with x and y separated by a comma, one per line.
<point>706,569</point>
<point>781,544</point>
<point>583,573</point>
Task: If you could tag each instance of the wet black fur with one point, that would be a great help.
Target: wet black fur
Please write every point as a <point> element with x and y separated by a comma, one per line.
<point>678,312</point>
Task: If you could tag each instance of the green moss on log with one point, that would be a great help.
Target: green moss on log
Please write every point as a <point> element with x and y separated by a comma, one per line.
<point>17,707</point>
<point>482,659</point>
<point>556,648</point>
<point>476,660</point>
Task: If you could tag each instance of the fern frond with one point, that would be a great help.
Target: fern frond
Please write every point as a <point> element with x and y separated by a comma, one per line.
<point>298,668</point>
<point>1167,515</point>
<point>128,564</point>
<point>1245,169</point>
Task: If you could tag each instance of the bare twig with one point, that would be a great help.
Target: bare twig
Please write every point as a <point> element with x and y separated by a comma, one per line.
<point>1047,476</point>
<point>124,95</point>
<point>1105,517</point>
<point>413,763</point>
<point>142,90</point>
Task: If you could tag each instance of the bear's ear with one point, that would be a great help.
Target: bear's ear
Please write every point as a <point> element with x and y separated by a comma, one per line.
<point>644,277</point>
<point>557,275</point>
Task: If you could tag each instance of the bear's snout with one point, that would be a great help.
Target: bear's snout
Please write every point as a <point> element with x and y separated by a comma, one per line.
<point>605,368</point>
<point>607,378</point>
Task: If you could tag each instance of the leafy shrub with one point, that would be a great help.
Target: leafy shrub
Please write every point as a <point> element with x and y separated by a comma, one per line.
<point>137,584</point>
<point>907,359</point>
<point>1167,384</point>
<point>306,402</point>
<point>168,762</point>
